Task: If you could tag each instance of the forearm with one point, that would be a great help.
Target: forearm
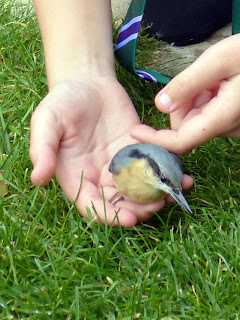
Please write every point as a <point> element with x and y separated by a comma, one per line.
<point>77,39</point>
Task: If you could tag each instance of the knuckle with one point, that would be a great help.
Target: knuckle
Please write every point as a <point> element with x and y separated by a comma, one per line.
<point>179,84</point>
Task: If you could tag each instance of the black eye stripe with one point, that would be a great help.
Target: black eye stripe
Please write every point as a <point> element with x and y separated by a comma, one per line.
<point>135,153</point>
<point>154,166</point>
<point>158,172</point>
<point>167,182</point>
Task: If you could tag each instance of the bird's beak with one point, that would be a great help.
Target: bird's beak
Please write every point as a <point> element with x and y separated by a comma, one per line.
<point>181,201</point>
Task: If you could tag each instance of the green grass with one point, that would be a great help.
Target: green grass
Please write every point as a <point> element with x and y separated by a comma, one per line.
<point>56,265</point>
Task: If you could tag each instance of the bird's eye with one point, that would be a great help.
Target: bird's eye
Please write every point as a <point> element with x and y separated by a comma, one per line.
<point>164,180</point>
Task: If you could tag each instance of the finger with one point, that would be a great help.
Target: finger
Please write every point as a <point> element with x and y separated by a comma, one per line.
<point>110,214</point>
<point>144,133</point>
<point>187,183</point>
<point>209,123</point>
<point>91,201</point>
<point>178,142</point>
<point>183,114</point>
<point>205,73</point>
<point>146,211</point>
<point>215,119</point>
<point>124,212</point>
<point>143,212</point>
<point>94,201</point>
<point>168,139</point>
<point>44,141</point>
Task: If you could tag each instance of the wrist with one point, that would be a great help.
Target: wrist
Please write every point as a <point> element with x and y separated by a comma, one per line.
<point>84,68</point>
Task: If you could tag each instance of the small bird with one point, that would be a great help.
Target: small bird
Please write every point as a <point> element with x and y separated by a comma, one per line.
<point>144,173</point>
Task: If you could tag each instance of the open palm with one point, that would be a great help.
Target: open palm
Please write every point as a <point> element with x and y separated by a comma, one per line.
<point>76,130</point>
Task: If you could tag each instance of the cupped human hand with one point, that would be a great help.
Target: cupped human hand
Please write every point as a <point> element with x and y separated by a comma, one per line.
<point>75,132</point>
<point>203,101</point>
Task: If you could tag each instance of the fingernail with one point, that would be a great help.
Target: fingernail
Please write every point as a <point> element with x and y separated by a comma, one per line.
<point>165,100</point>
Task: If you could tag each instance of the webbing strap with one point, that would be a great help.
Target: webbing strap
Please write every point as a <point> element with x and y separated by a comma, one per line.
<point>125,49</point>
<point>236,17</point>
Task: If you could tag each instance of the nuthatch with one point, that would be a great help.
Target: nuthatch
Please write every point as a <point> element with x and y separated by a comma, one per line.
<point>144,173</point>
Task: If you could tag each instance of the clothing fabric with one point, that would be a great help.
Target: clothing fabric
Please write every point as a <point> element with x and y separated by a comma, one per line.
<point>185,22</point>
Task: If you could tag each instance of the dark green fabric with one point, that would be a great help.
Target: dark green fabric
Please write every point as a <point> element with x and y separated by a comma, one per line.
<point>127,53</point>
<point>236,17</point>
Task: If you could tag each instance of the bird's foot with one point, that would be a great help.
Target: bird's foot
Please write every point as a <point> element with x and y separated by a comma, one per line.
<point>115,198</point>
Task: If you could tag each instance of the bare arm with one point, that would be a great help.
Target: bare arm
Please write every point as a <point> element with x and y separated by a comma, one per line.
<point>77,39</point>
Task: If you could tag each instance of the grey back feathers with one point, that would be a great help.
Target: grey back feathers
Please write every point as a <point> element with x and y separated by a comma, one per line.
<point>164,164</point>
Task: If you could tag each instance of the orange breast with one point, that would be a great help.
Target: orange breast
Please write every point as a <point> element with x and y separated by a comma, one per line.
<point>133,184</point>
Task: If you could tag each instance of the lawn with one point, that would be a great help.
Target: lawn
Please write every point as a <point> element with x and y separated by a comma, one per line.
<point>56,265</point>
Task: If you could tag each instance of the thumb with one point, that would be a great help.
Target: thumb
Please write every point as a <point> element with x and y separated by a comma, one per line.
<point>205,73</point>
<point>44,142</point>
